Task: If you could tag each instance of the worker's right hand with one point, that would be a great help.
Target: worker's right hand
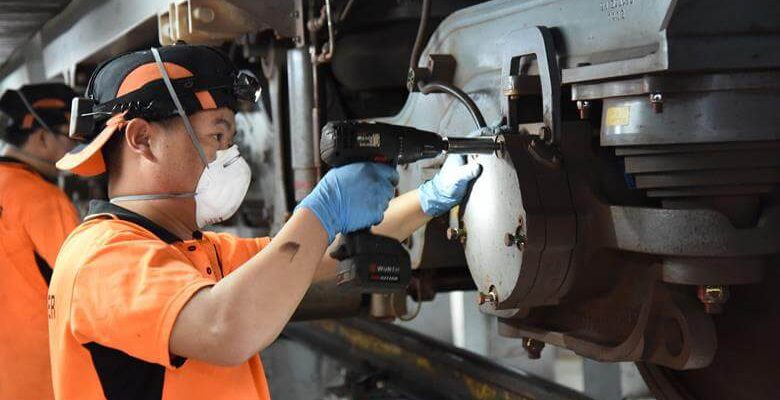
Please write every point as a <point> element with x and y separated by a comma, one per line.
<point>352,197</point>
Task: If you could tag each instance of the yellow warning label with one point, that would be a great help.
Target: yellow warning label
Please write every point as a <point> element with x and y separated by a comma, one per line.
<point>618,116</point>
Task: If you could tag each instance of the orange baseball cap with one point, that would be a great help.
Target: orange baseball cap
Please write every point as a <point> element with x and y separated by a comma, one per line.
<point>49,101</point>
<point>131,86</point>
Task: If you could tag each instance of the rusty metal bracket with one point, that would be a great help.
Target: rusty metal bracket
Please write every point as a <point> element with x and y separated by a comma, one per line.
<point>440,68</point>
<point>214,21</point>
<point>533,41</point>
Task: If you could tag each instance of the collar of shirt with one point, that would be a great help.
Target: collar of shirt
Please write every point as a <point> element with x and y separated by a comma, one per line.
<point>97,207</point>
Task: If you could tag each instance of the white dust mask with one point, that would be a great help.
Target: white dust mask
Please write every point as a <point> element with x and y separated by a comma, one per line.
<point>220,191</point>
<point>221,187</point>
<point>223,183</point>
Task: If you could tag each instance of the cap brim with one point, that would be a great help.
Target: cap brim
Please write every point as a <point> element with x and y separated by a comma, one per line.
<point>87,159</point>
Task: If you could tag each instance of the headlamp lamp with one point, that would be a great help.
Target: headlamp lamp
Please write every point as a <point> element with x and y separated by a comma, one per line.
<point>152,102</point>
<point>246,87</point>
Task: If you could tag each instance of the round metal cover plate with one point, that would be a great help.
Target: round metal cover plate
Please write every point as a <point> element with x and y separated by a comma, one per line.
<point>494,208</point>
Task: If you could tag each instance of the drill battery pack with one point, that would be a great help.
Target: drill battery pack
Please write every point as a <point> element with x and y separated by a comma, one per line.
<point>372,263</point>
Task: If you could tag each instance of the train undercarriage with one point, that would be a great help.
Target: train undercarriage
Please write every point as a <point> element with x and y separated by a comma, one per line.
<point>633,213</point>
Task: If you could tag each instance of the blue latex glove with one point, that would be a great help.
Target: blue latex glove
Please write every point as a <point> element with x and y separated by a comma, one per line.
<point>352,197</point>
<point>448,187</point>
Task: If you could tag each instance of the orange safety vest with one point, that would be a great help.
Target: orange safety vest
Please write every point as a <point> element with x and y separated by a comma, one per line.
<point>35,218</point>
<point>120,282</point>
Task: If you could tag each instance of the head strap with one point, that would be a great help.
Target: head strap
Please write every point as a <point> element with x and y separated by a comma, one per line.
<point>33,113</point>
<point>179,108</point>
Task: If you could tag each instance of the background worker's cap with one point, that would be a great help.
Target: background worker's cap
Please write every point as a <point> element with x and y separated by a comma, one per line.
<point>49,101</point>
<point>131,85</point>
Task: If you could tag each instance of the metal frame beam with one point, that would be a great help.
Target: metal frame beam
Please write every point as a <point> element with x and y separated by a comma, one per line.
<point>83,31</point>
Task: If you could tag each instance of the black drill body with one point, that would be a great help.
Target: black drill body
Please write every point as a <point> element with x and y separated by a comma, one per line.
<point>375,263</point>
<point>349,142</point>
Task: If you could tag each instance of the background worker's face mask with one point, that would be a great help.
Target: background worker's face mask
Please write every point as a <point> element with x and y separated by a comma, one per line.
<point>223,183</point>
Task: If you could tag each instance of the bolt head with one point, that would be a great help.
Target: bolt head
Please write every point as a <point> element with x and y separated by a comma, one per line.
<point>489,297</point>
<point>583,106</point>
<point>509,240</point>
<point>713,297</point>
<point>452,233</point>
<point>533,347</point>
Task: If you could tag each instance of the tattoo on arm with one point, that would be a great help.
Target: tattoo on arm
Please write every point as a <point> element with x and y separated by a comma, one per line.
<point>290,248</point>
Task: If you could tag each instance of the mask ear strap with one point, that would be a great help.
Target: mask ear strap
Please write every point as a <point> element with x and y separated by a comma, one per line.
<point>135,197</point>
<point>32,111</point>
<point>179,107</point>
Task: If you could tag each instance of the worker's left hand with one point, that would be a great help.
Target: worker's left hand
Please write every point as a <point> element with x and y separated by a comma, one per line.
<point>448,187</point>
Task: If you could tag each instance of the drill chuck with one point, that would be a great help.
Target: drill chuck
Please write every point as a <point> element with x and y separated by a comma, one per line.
<point>487,145</point>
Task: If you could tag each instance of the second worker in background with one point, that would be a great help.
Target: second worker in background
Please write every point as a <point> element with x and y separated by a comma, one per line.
<point>35,218</point>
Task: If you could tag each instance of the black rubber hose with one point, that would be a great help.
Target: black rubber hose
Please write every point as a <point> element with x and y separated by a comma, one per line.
<point>441,87</point>
<point>418,41</point>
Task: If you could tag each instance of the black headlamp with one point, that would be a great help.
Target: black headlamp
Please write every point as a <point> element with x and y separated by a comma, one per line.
<point>246,87</point>
<point>209,71</point>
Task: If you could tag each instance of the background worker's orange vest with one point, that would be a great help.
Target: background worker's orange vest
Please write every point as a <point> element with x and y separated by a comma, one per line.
<point>35,218</point>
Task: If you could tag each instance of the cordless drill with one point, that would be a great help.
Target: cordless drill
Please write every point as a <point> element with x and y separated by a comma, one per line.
<point>376,263</point>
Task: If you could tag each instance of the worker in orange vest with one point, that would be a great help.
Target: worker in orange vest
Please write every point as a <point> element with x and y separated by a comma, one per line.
<point>35,218</point>
<point>146,304</point>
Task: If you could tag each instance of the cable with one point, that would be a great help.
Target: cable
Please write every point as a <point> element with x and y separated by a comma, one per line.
<point>418,41</point>
<point>346,10</point>
<point>416,312</point>
<point>441,87</point>
<point>35,115</point>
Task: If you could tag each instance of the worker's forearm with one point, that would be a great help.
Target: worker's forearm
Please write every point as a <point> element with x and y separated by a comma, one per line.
<point>403,217</point>
<point>326,270</point>
<point>249,307</point>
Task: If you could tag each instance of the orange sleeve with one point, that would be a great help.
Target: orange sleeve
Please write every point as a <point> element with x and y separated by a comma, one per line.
<point>48,220</point>
<point>128,294</point>
<point>235,251</point>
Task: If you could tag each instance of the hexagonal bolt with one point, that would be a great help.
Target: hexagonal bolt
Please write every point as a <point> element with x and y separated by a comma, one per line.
<point>657,101</point>
<point>584,108</point>
<point>533,347</point>
<point>713,297</point>
<point>456,233</point>
<point>544,133</point>
<point>515,240</point>
<point>510,86</point>
<point>489,297</point>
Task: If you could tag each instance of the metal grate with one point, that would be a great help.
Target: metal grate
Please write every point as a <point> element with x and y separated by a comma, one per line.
<point>21,19</point>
